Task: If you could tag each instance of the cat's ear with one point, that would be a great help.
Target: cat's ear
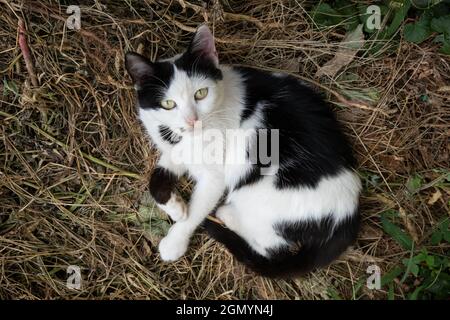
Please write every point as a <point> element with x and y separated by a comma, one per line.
<point>140,68</point>
<point>203,44</point>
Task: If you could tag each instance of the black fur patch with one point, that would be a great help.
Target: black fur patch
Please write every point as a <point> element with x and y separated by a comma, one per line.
<point>313,245</point>
<point>162,183</point>
<point>312,144</point>
<point>152,91</point>
<point>196,64</point>
<point>322,240</point>
<point>251,177</point>
<point>168,135</point>
<point>260,86</point>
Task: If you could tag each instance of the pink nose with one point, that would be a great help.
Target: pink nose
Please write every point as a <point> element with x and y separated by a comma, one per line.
<point>191,121</point>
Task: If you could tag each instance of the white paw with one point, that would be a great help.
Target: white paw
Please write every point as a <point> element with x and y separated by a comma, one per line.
<point>176,208</point>
<point>172,247</point>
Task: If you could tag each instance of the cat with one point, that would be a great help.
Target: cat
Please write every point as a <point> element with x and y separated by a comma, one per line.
<point>298,217</point>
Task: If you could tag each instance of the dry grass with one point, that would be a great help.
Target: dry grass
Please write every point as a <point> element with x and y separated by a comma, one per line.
<point>75,163</point>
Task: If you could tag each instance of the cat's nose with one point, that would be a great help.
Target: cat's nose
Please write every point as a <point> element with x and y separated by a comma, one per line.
<point>191,121</point>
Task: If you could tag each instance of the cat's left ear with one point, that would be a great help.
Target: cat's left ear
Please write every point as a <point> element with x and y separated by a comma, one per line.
<point>139,68</point>
<point>203,45</point>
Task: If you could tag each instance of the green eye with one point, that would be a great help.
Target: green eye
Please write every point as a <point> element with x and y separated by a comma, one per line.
<point>201,93</point>
<point>168,104</point>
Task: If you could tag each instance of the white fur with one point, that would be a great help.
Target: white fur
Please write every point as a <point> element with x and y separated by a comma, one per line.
<point>257,207</point>
<point>252,210</point>
<point>175,207</point>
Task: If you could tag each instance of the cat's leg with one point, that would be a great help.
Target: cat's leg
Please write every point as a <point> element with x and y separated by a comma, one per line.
<point>227,214</point>
<point>207,192</point>
<point>175,207</point>
<point>162,189</point>
<point>257,231</point>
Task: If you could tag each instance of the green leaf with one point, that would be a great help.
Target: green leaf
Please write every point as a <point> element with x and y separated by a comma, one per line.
<point>442,232</point>
<point>419,31</point>
<point>375,179</point>
<point>358,287</point>
<point>391,275</point>
<point>391,214</point>
<point>391,292</point>
<point>399,17</point>
<point>420,257</point>
<point>414,183</point>
<point>441,24</point>
<point>430,261</point>
<point>436,237</point>
<point>398,234</point>
<point>371,95</point>
<point>445,40</point>
<point>415,294</point>
<point>158,226</point>
<point>445,225</point>
<point>439,39</point>
<point>447,236</point>
<point>440,9</point>
<point>445,49</point>
<point>414,269</point>
<point>333,293</point>
<point>324,15</point>
<point>440,286</point>
<point>410,266</point>
<point>10,86</point>
<point>151,218</point>
<point>349,13</point>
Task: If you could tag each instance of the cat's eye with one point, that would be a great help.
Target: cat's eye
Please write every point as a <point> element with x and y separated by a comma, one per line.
<point>168,104</point>
<point>201,93</point>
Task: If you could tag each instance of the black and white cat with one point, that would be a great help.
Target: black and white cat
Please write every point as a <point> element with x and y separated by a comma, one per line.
<point>300,217</point>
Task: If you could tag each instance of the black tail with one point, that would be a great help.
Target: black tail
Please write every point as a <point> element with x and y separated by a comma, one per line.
<point>286,263</point>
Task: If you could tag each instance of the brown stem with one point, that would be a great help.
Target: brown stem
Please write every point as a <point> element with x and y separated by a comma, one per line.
<point>26,53</point>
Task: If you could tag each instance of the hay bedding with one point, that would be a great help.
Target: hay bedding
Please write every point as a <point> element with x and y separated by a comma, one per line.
<point>75,163</point>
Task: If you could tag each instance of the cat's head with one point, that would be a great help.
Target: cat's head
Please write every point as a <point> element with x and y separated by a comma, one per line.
<point>179,91</point>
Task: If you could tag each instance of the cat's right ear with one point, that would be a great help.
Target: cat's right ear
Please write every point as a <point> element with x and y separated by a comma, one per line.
<point>203,45</point>
<point>139,68</point>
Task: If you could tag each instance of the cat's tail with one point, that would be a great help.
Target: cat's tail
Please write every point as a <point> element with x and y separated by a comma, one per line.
<point>283,263</point>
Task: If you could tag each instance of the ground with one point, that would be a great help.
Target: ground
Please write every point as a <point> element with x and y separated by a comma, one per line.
<point>75,163</point>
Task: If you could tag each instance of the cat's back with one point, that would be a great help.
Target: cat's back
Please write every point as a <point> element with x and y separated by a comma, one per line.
<point>284,102</point>
<point>311,140</point>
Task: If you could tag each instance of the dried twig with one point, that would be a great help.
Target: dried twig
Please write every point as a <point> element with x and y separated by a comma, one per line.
<point>26,53</point>
<point>233,16</point>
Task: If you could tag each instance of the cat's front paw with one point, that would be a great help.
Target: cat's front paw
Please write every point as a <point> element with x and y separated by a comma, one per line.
<point>172,247</point>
